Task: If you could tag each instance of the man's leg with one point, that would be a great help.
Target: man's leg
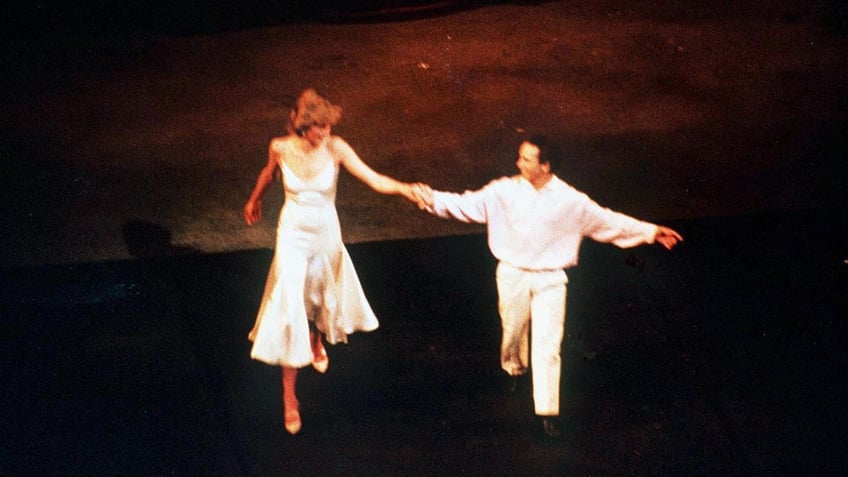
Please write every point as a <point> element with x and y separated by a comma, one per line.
<point>547,330</point>
<point>514,307</point>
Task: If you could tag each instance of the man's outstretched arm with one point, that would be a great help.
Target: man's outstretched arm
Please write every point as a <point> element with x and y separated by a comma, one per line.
<point>667,237</point>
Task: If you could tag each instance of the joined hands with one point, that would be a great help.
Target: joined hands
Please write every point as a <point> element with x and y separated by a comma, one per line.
<point>421,195</point>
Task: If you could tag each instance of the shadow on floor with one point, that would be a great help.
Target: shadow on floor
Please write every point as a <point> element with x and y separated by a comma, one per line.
<point>723,357</point>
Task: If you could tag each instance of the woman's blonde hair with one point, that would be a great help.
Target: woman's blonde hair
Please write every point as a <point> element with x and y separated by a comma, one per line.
<point>312,109</point>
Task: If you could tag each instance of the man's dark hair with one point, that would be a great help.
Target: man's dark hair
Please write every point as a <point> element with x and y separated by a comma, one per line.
<point>549,153</point>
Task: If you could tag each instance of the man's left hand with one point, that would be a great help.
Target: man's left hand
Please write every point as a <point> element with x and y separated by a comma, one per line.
<point>667,237</point>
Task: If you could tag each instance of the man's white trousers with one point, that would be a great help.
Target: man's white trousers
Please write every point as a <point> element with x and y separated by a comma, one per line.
<point>532,310</point>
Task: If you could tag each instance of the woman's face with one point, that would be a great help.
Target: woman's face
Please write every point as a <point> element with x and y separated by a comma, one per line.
<point>316,134</point>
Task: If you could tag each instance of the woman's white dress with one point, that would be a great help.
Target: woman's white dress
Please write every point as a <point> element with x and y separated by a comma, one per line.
<point>312,277</point>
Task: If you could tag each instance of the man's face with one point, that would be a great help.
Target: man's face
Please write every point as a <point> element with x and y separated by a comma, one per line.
<point>528,163</point>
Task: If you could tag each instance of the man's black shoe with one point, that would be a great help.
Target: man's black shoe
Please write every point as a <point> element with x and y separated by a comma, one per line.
<point>552,428</point>
<point>511,385</point>
<point>515,384</point>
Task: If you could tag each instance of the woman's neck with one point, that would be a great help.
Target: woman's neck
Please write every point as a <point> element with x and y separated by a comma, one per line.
<point>308,146</point>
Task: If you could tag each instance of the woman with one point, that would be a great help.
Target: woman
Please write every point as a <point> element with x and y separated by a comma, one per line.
<point>312,289</point>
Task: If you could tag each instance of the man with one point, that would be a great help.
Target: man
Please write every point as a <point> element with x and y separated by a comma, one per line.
<point>535,223</point>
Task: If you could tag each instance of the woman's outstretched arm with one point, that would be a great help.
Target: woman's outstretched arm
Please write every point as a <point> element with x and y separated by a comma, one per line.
<point>358,168</point>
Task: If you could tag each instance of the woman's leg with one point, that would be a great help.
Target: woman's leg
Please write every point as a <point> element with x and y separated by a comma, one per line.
<point>290,404</point>
<point>320,361</point>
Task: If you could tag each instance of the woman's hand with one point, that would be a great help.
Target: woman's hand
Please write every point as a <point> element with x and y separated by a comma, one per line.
<point>253,211</point>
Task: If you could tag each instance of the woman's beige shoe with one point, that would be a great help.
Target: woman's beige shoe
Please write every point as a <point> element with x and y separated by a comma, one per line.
<point>292,421</point>
<point>321,362</point>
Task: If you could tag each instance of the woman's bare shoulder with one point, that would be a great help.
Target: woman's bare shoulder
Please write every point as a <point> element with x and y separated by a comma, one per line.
<point>339,147</point>
<point>282,141</point>
<point>336,141</point>
<point>284,146</point>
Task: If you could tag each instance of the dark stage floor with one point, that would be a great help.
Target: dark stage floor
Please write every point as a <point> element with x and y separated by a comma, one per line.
<point>724,357</point>
<point>132,133</point>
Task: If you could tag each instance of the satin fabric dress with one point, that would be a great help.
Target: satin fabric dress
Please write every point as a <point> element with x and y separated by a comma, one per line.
<point>311,278</point>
